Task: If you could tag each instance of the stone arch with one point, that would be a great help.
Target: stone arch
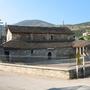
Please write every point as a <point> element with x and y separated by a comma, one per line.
<point>49,55</point>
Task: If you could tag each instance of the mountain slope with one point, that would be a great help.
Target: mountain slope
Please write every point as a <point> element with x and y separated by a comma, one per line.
<point>84,23</point>
<point>34,23</point>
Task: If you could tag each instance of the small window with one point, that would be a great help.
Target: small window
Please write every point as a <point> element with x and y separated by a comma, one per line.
<point>31,51</point>
<point>51,37</point>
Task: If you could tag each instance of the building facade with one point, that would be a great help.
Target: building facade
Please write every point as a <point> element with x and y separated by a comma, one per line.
<point>38,43</point>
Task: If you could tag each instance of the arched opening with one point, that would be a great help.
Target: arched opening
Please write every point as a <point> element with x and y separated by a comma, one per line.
<point>7,55</point>
<point>49,55</point>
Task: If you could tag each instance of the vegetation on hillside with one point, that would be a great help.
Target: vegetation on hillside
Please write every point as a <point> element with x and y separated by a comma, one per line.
<point>84,24</point>
<point>85,37</point>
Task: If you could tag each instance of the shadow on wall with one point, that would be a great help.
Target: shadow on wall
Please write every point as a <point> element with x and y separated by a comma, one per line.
<point>72,88</point>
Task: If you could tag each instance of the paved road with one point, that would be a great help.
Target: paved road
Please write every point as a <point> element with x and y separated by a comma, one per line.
<point>73,88</point>
<point>12,81</point>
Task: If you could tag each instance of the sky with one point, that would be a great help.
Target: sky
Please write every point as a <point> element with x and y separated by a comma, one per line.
<point>53,11</point>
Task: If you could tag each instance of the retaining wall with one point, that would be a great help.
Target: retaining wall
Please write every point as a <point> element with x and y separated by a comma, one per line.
<point>44,71</point>
<point>35,70</point>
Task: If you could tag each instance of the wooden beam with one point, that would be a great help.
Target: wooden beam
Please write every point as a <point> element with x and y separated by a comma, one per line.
<point>76,62</point>
<point>80,49</point>
<point>83,62</point>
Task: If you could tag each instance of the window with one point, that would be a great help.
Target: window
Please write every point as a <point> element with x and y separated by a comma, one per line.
<point>51,37</point>
<point>32,51</point>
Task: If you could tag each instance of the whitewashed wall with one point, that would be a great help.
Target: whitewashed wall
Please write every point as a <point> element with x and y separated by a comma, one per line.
<point>8,36</point>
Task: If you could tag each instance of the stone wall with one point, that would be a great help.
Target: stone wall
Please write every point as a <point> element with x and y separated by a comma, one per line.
<point>1,54</point>
<point>8,36</point>
<point>51,72</point>
<point>35,70</point>
<point>41,54</point>
<point>43,37</point>
<point>1,51</point>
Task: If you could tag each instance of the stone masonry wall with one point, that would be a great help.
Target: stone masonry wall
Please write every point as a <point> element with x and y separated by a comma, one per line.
<point>42,37</point>
<point>40,54</point>
<point>35,70</point>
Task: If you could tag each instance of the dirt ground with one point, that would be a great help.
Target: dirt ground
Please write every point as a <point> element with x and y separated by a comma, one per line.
<point>13,81</point>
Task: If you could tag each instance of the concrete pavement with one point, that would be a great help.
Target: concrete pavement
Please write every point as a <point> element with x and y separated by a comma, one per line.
<point>13,81</point>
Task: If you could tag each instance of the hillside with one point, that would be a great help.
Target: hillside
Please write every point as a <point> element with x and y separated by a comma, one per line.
<point>85,24</point>
<point>79,28</point>
<point>35,23</point>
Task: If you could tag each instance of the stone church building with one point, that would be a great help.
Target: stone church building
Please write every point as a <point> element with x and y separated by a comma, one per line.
<point>24,43</point>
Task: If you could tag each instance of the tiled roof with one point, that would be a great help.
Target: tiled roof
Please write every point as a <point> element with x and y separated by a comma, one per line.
<point>80,43</point>
<point>37,45</point>
<point>31,29</point>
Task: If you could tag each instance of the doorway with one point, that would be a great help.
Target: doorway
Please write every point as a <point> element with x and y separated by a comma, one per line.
<point>49,55</point>
<point>7,55</point>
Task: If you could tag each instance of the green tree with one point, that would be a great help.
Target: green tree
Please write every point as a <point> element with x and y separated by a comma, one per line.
<point>84,37</point>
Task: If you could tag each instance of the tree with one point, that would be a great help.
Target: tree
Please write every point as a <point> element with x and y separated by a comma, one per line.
<point>84,37</point>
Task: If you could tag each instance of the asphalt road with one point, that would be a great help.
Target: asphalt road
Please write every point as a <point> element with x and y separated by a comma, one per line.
<point>13,81</point>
